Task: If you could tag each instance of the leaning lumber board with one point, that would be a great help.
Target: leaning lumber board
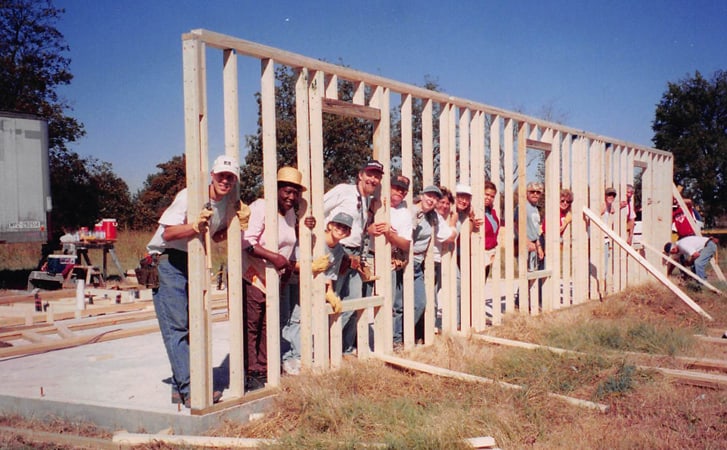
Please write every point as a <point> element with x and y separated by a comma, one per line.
<point>692,222</point>
<point>645,264</point>
<point>64,331</point>
<point>439,371</point>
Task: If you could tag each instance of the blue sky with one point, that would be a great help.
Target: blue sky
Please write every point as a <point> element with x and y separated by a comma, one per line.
<point>602,66</point>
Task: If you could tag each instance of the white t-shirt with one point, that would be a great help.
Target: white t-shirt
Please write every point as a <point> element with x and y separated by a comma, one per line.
<point>691,244</point>
<point>346,198</point>
<point>176,214</point>
<point>401,221</point>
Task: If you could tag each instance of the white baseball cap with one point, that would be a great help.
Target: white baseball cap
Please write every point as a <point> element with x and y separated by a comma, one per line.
<point>227,164</point>
<point>463,189</point>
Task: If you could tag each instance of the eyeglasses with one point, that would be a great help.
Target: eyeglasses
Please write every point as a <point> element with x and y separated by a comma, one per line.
<point>566,201</point>
<point>534,192</point>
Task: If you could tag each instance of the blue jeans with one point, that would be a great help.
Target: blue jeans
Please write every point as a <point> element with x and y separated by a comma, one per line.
<point>290,300</point>
<point>397,310</point>
<point>437,287</point>
<point>420,302</point>
<point>171,302</point>
<point>349,286</point>
<point>700,264</point>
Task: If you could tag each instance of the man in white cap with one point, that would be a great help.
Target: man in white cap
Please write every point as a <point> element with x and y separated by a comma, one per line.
<point>463,206</point>
<point>175,230</point>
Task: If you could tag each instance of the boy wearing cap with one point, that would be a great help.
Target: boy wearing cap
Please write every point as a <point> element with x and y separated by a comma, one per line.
<point>338,228</point>
<point>253,270</point>
<point>175,230</point>
<point>355,200</point>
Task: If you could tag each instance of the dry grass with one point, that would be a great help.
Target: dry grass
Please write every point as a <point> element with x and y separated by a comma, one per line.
<point>368,402</point>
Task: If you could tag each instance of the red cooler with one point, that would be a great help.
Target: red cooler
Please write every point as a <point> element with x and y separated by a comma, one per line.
<point>109,227</point>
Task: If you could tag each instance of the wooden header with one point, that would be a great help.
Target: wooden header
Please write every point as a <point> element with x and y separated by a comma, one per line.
<point>253,49</point>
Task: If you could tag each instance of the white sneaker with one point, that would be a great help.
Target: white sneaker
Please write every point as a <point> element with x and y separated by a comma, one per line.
<point>291,366</point>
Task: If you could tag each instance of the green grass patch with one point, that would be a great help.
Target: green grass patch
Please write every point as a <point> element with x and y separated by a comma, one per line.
<point>543,369</point>
<point>622,335</point>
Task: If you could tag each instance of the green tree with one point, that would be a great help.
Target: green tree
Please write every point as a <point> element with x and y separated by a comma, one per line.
<point>158,192</point>
<point>691,122</point>
<point>74,204</point>
<point>346,141</point>
<point>33,65</point>
<point>114,200</point>
<point>86,191</point>
<point>417,109</point>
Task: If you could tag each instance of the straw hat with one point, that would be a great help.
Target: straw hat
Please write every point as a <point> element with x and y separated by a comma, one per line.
<point>291,175</point>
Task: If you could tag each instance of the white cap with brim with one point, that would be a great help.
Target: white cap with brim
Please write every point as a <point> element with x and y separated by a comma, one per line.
<point>463,189</point>
<point>226,164</point>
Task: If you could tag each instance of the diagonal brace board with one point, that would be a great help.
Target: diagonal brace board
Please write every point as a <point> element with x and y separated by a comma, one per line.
<point>644,263</point>
<point>680,200</point>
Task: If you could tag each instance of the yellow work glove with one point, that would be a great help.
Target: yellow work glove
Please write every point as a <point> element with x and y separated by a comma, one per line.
<point>320,265</point>
<point>333,300</point>
<point>243,214</point>
<point>203,220</point>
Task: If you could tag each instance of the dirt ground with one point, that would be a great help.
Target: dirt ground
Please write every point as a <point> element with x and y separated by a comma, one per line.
<point>369,402</point>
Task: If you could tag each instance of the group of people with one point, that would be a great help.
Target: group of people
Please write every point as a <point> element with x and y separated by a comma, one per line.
<point>349,211</point>
<point>435,218</point>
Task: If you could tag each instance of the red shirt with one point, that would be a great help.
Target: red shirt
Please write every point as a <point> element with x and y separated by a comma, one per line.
<point>490,230</point>
<point>681,224</point>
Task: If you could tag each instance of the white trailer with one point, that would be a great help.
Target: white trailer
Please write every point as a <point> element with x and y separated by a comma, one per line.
<point>25,198</point>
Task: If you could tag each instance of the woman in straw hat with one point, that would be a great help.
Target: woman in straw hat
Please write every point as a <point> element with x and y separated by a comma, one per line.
<point>253,242</point>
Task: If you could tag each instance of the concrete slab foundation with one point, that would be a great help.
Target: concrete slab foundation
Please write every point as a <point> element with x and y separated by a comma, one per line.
<point>116,385</point>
